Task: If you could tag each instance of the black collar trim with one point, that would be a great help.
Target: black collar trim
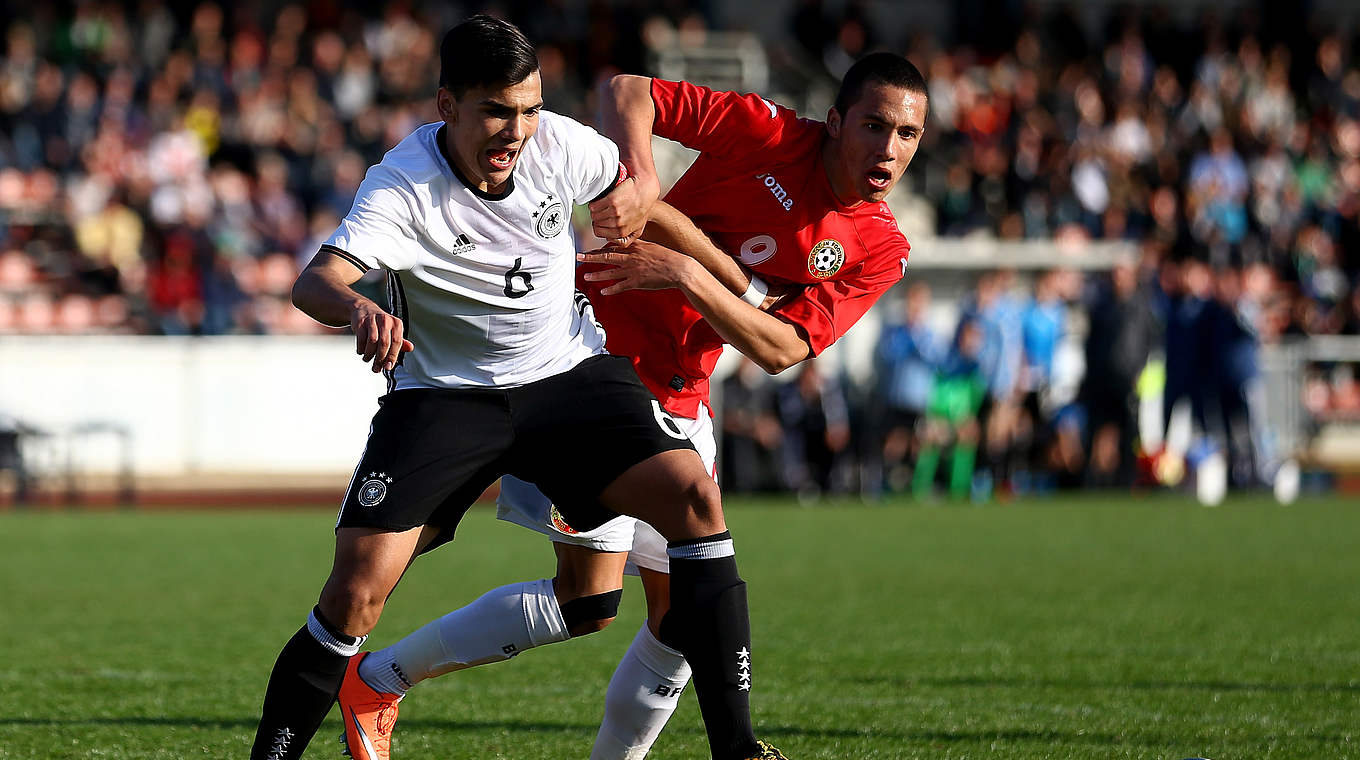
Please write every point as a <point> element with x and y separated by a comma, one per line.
<point>484,195</point>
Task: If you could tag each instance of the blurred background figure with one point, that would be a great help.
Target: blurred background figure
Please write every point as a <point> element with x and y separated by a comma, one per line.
<point>1188,342</point>
<point>997,311</point>
<point>751,432</point>
<point>956,398</point>
<point>1239,388</point>
<point>1043,327</point>
<point>815,417</point>
<point>906,358</point>
<point>1122,334</point>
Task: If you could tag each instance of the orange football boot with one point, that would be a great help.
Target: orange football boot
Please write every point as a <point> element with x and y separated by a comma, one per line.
<point>369,715</point>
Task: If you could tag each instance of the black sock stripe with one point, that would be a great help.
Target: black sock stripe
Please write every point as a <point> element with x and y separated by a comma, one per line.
<point>594,607</point>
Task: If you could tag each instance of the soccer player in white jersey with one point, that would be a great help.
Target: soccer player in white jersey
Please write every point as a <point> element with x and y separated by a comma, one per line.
<point>758,163</point>
<point>493,362</point>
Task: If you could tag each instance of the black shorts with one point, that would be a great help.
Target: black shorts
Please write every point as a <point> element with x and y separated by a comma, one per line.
<point>432,452</point>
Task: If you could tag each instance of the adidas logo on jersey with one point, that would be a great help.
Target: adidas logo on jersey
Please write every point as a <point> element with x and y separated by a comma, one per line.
<point>462,244</point>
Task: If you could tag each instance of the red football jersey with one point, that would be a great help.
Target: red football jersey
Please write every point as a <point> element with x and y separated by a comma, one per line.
<point>759,189</point>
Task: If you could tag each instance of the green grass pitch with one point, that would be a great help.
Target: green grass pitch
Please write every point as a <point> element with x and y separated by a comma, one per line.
<point>1092,627</point>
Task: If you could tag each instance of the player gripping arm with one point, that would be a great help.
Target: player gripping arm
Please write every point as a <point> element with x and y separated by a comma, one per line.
<point>629,115</point>
<point>770,342</point>
<point>323,293</point>
<point>672,229</point>
<point>628,111</point>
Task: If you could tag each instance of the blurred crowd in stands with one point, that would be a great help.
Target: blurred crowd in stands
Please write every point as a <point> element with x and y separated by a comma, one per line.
<point>167,169</point>
<point>1066,381</point>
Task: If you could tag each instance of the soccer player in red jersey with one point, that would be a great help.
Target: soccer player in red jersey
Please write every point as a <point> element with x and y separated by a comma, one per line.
<point>797,202</point>
<point>798,205</point>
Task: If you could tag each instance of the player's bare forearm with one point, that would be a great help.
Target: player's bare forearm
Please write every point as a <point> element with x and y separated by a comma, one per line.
<point>323,290</point>
<point>626,116</point>
<point>674,230</point>
<point>770,342</point>
<point>671,228</point>
<point>323,293</point>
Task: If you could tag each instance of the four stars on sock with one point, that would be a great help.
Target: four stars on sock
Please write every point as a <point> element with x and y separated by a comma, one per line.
<point>744,669</point>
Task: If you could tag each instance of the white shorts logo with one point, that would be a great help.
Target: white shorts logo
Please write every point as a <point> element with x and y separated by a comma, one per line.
<point>758,249</point>
<point>374,490</point>
<point>667,423</point>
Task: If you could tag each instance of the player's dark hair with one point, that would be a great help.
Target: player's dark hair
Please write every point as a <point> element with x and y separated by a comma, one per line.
<point>883,68</point>
<point>484,51</point>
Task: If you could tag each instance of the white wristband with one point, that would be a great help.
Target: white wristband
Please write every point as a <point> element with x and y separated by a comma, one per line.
<point>756,292</point>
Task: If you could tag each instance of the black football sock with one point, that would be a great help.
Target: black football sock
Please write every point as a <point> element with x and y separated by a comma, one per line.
<point>709,623</point>
<point>302,688</point>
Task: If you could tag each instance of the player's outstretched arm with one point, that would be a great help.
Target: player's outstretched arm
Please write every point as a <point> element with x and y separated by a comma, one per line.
<point>770,342</point>
<point>323,293</point>
<point>670,227</point>
<point>626,116</point>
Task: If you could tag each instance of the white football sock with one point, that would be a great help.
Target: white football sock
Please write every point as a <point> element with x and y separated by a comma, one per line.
<point>498,626</point>
<point>642,695</point>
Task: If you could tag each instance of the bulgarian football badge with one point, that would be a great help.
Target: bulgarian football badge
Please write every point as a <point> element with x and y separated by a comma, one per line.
<point>559,522</point>
<point>826,259</point>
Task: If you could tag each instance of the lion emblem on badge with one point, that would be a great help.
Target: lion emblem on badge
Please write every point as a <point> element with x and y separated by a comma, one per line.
<point>826,258</point>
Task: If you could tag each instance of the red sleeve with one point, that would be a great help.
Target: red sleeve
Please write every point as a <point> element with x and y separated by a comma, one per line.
<point>827,310</point>
<point>720,123</point>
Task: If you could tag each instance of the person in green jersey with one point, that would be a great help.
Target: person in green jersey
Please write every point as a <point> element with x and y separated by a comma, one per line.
<point>951,416</point>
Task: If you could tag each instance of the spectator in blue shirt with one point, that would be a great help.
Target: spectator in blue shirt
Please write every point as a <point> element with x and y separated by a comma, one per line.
<point>1041,329</point>
<point>1218,192</point>
<point>1240,391</point>
<point>906,358</point>
<point>997,313</point>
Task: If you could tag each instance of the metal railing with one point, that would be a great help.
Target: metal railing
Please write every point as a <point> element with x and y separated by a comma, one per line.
<point>721,60</point>
<point>1284,366</point>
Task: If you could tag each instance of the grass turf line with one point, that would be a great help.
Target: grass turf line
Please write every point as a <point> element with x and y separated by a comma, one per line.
<point>1102,626</point>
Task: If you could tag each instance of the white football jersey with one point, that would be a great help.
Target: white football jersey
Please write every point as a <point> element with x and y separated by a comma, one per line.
<point>484,283</point>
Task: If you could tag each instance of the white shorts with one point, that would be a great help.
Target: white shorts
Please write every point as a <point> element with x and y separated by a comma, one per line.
<point>522,503</point>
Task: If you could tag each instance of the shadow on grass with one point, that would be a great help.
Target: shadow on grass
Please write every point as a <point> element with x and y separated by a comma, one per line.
<point>774,732</point>
<point>1051,737</point>
<point>251,723</point>
<point>1016,683</point>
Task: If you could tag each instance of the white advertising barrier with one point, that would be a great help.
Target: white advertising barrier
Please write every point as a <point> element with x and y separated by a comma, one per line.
<point>267,405</point>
